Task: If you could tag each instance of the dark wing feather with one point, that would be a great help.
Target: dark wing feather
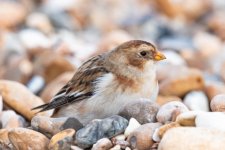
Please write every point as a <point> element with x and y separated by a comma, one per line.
<point>81,86</point>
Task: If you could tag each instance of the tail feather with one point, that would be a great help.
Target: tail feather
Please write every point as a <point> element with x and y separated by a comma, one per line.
<point>41,106</point>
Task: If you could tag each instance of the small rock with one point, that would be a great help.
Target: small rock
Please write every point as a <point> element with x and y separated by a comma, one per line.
<point>143,110</point>
<point>54,86</point>
<point>12,14</point>
<point>41,40</point>
<point>187,118</point>
<point>19,98</point>
<point>182,81</point>
<point>116,147</point>
<point>214,88</point>
<point>10,119</point>
<point>39,21</point>
<point>141,138</point>
<point>186,138</point>
<point>51,65</point>
<point>98,129</point>
<point>218,103</point>
<point>161,100</point>
<point>214,120</point>
<point>197,100</point>
<point>102,144</point>
<point>159,132</point>
<point>22,138</point>
<point>120,137</point>
<point>123,144</point>
<point>47,126</point>
<point>4,140</point>
<point>73,147</point>
<point>62,140</point>
<point>169,111</point>
<point>133,124</point>
<point>72,123</point>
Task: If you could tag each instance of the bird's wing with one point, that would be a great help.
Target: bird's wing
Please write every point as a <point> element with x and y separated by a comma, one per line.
<point>81,86</point>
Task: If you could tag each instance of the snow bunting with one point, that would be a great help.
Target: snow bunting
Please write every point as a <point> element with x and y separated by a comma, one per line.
<point>104,84</point>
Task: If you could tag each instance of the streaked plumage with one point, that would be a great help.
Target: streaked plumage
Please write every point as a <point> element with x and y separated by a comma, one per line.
<point>104,84</point>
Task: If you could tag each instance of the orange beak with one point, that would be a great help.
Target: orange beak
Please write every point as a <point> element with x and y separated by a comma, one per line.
<point>158,56</point>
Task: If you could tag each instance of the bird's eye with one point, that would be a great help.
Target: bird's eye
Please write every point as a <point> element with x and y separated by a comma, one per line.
<point>143,53</point>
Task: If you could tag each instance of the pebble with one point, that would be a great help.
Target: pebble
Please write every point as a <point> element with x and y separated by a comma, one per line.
<point>48,126</point>
<point>72,123</point>
<point>12,14</point>
<point>4,140</point>
<point>214,88</point>
<point>10,119</point>
<point>218,103</point>
<point>141,138</point>
<point>18,97</point>
<point>215,120</point>
<point>73,147</point>
<point>51,65</point>
<point>159,132</point>
<point>102,144</point>
<point>39,21</point>
<point>116,147</point>
<point>181,81</point>
<point>186,138</point>
<point>161,100</point>
<point>197,100</point>
<point>34,39</point>
<point>62,140</point>
<point>169,111</point>
<point>23,138</point>
<point>54,86</point>
<point>143,110</point>
<point>98,129</point>
<point>133,124</point>
<point>187,118</point>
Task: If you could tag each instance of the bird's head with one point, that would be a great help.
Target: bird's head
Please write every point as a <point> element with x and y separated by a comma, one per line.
<point>138,53</point>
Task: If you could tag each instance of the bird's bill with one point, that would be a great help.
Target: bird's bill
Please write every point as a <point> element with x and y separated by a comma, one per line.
<point>158,56</point>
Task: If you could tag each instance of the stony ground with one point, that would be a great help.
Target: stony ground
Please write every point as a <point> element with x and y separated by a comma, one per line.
<point>42,42</point>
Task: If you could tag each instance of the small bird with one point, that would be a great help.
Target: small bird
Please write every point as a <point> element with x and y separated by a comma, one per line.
<point>104,84</point>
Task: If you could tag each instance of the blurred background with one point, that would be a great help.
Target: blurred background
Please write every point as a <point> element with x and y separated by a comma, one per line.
<point>43,42</point>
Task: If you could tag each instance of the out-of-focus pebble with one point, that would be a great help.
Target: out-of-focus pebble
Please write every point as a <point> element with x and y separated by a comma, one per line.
<point>40,22</point>
<point>10,120</point>
<point>62,140</point>
<point>19,98</point>
<point>182,81</point>
<point>23,138</point>
<point>12,14</point>
<point>133,124</point>
<point>215,120</point>
<point>159,132</point>
<point>143,110</point>
<point>169,111</point>
<point>197,100</point>
<point>141,138</point>
<point>187,118</point>
<point>50,66</point>
<point>187,138</point>
<point>4,140</point>
<point>48,126</point>
<point>102,144</point>
<point>214,88</point>
<point>218,103</point>
<point>161,100</point>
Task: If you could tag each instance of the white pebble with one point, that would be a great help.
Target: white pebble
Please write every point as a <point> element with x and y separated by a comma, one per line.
<point>197,100</point>
<point>133,124</point>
